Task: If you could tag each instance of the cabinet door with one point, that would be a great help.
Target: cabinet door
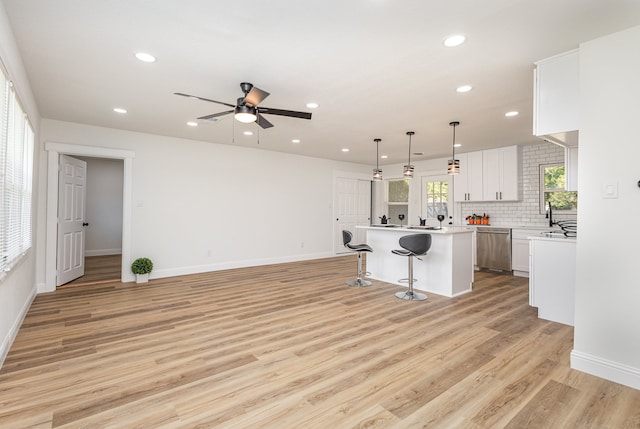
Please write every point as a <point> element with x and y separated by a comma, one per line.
<point>557,94</point>
<point>475,176</point>
<point>491,165</point>
<point>520,255</point>
<point>460,189</point>
<point>509,169</point>
<point>501,167</point>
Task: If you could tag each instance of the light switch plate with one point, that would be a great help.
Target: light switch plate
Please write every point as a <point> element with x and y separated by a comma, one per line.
<point>610,189</point>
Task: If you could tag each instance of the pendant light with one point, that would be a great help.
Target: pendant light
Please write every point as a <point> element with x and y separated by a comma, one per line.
<point>377,173</point>
<point>408,169</point>
<point>454,164</point>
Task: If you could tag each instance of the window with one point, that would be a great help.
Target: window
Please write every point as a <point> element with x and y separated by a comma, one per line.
<point>16,164</point>
<point>552,190</point>
<point>397,199</point>
<point>437,199</point>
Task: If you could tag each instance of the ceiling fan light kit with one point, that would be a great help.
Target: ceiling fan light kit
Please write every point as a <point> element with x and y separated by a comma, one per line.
<point>453,165</point>
<point>245,114</point>
<point>408,168</point>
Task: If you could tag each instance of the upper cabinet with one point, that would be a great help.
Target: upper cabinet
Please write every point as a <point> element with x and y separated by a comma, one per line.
<point>501,169</point>
<point>488,175</point>
<point>556,98</point>
<point>468,184</point>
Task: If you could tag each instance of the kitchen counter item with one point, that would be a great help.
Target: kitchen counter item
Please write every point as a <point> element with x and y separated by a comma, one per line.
<point>493,246</point>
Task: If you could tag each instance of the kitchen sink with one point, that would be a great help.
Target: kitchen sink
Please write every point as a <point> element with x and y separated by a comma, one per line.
<point>424,227</point>
<point>386,225</point>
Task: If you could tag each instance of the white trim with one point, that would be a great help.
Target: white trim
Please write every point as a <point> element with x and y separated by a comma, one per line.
<point>103,252</point>
<point>13,332</point>
<point>55,149</point>
<point>603,368</point>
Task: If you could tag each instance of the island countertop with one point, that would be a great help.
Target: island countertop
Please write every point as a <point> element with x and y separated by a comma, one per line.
<point>419,229</point>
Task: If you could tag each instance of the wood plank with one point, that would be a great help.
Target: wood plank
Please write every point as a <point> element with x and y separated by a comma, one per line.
<point>290,345</point>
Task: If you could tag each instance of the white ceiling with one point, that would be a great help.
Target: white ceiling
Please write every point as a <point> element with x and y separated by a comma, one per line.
<point>377,68</point>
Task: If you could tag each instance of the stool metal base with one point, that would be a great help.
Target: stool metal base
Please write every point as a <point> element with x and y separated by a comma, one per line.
<point>411,295</point>
<point>359,283</point>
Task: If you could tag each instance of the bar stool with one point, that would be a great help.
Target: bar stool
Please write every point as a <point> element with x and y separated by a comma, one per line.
<point>346,239</point>
<point>413,245</point>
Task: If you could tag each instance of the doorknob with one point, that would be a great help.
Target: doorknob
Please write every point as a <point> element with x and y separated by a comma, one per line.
<point>85,224</point>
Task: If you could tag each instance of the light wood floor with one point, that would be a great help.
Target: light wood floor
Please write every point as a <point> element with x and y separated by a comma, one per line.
<point>291,346</point>
<point>98,269</point>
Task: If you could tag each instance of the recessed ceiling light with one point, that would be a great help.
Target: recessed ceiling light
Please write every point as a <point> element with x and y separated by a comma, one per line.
<point>345,150</point>
<point>512,113</point>
<point>192,124</point>
<point>295,141</point>
<point>457,145</point>
<point>454,40</point>
<point>248,133</point>
<point>312,105</point>
<point>147,58</point>
<point>464,88</point>
<point>119,110</point>
<point>383,157</point>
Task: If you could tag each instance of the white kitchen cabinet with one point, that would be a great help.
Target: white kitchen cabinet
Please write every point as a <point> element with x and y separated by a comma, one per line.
<point>468,184</point>
<point>557,96</point>
<point>552,278</point>
<point>520,250</point>
<point>501,169</point>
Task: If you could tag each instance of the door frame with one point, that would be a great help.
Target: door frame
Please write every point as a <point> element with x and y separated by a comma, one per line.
<point>51,231</point>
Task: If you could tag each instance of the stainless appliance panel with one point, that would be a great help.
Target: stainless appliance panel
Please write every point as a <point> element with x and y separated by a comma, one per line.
<point>494,248</point>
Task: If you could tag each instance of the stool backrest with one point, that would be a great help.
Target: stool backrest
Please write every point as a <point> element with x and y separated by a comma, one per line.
<point>346,237</point>
<point>418,244</point>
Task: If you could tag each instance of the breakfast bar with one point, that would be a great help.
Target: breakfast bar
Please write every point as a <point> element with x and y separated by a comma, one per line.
<point>447,268</point>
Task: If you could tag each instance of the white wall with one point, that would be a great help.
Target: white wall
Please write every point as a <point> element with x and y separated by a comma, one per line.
<point>18,288</point>
<point>200,206</point>
<point>103,235</point>
<point>607,323</point>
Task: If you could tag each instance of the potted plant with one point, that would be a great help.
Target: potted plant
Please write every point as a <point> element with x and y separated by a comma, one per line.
<point>141,267</point>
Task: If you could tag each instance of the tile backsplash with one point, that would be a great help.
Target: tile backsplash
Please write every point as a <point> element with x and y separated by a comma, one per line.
<point>527,210</point>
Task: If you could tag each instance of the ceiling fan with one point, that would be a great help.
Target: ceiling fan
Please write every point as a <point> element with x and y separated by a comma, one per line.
<point>246,108</point>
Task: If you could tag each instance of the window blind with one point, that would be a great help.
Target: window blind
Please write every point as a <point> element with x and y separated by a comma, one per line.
<point>16,168</point>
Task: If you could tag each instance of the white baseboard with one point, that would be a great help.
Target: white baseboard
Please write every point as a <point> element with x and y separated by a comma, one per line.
<point>604,368</point>
<point>183,271</point>
<point>11,335</point>
<point>103,252</point>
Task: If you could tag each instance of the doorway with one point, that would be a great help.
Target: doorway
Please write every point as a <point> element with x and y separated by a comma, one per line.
<point>54,150</point>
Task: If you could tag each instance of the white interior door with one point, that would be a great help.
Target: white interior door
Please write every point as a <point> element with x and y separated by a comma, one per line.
<point>353,208</point>
<point>72,187</point>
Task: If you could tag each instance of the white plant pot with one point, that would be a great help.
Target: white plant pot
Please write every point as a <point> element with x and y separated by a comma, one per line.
<point>142,278</point>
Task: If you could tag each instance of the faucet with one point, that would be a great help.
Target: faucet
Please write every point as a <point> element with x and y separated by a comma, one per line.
<point>550,215</point>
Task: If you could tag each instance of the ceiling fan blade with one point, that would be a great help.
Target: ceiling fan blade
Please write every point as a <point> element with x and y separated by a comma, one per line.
<point>255,97</point>
<point>215,115</point>
<point>204,99</point>
<point>262,121</point>
<point>291,113</point>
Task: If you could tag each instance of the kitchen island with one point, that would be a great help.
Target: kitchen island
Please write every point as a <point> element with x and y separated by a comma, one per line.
<point>447,268</point>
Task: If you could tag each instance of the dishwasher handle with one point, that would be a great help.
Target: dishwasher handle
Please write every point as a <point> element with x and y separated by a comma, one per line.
<point>493,231</point>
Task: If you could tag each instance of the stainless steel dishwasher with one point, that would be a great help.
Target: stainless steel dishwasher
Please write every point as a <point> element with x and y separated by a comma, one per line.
<point>494,248</point>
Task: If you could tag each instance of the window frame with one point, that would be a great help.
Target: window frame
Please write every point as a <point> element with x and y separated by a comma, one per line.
<point>424,196</point>
<point>543,190</point>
